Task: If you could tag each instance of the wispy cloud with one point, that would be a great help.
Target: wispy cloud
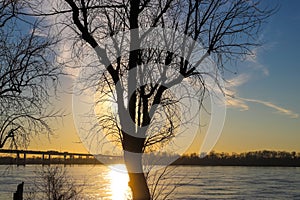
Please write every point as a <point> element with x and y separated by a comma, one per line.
<point>231,92</point>
<point>253,59</point>
<point>238,81</point>
<point>278,109</point>
<point>235,101</point>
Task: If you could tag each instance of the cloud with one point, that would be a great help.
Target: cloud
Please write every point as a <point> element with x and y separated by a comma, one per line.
<point>278,109</point>
<point>238,80</point>
<point>234,101</point>
<point>237,103</point>
<point>231,91</point>
<point>241,103</point>
<point>255,63</point>
<point>232,85</point>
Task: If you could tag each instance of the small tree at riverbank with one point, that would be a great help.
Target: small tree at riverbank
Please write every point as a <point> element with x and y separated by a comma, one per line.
<point>53,183</point>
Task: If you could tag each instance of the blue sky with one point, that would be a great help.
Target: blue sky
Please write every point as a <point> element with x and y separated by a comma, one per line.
<point>280,55</point>
<point>271,86</point>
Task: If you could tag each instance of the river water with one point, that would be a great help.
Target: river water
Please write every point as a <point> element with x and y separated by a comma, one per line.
<point>188,182</point>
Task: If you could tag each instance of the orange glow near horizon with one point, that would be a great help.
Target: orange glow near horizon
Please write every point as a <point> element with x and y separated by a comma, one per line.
<point>242,132</point>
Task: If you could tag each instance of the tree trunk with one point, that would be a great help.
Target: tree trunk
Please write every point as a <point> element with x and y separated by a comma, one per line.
<point>137,180</point>
<point>18,195</point>
<point>139,187</point>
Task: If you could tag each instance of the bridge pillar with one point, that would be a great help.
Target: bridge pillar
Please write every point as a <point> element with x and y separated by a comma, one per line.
<point>18,158</point>
<point>43,159</point>
<point>71,159</point>
<point>49,158</point>
<point>24,159</point>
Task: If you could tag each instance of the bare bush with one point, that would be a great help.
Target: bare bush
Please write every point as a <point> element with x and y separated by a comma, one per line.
<point>53,183</point>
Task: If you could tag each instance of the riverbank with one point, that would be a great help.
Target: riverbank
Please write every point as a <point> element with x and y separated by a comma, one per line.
<point>255,158</point>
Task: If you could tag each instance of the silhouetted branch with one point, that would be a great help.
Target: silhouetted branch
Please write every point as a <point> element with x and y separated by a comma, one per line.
<point>28,77</point>
<point>140,67</point>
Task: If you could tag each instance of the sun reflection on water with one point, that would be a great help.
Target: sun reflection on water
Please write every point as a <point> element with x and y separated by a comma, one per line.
<point>119,182</point>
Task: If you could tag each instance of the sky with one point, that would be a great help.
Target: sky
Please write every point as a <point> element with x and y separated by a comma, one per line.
<point>265,113</point>
<point>268,117</point>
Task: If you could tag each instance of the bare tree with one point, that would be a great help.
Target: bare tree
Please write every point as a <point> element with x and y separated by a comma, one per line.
<point>53,183</point>
<point>138,79</point>
<point>28,76</point>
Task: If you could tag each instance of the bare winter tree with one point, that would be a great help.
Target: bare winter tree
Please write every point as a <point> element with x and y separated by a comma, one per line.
<point>27,76</point>
<point>53,183</point>
<point>139,80</point>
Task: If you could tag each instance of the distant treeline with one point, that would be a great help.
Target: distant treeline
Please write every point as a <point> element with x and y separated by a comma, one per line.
<point>254,158</point>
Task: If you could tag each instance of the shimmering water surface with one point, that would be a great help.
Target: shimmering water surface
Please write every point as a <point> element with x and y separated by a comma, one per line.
<point>192,182</point>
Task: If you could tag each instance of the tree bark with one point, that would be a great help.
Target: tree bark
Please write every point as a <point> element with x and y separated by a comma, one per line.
<point>139,186</point>
<point>137,181</point>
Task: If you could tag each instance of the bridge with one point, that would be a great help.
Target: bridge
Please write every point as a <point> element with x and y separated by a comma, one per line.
<point>54,157</point>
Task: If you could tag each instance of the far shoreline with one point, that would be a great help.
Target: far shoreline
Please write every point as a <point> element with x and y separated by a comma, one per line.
<point>263,158</point>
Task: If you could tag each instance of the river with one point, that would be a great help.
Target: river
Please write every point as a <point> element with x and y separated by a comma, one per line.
<point>190,182</point>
